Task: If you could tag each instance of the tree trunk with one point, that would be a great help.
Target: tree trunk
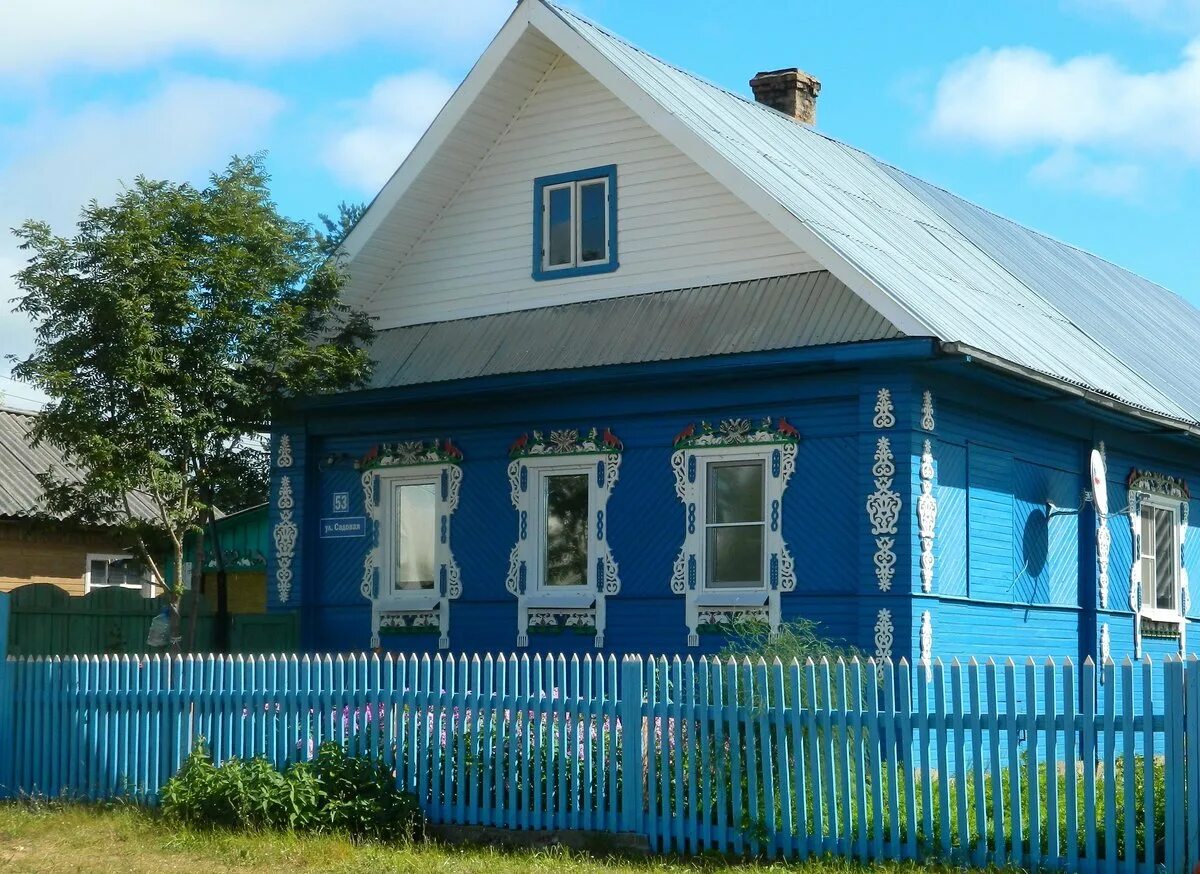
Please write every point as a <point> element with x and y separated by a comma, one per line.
<point>174,594</point>
<point>221,635</point>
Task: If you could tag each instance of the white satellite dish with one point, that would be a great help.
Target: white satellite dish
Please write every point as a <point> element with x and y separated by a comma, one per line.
<point>1099,482</point>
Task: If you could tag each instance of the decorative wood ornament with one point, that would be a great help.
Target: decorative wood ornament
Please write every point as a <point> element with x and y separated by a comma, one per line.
<point>927,411</point>
<point>417,611</point>
<point>773,441</point>
<point>927,645</point>
<point>575,609</point>
<point>883,511</point>
<point>285,535</point>
<point>927,517</point>
<point>885,410</point>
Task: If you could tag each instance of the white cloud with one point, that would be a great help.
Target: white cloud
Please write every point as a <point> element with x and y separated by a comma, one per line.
<point>48,35</point>
<point>1015,98</point>
<point>187,128</point>
<point>1175,15</point>
<point>1069,170</point>
<point>387,124</point>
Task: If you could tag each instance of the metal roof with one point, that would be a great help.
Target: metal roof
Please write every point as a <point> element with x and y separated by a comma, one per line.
<point>21,462</point>
<point>971,277</point>
<point>807,309</point>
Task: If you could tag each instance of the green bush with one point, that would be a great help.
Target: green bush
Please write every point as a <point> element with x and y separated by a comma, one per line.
<point>335,792</point>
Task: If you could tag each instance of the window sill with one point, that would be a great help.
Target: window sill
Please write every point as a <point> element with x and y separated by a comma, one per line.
<point>732,598</point>
<point>582,596</point>
<point>541,274</point>
<point>1166,617</point>
<point>425,599</point>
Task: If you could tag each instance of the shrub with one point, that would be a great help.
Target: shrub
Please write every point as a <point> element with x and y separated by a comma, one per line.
<point>335,792</point>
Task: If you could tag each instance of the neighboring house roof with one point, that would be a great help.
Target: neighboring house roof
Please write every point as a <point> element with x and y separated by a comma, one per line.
<point>808,309</point>
<point>21,462</point>
<point>930,263</point>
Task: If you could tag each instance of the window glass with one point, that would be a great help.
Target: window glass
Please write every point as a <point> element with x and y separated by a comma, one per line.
<point>566,529</point>
<point>734,536</point>
<point>593,221</point>
<point>735,492</point>
<point>416,515</point>
<point>558,218</point>
<point>1164,558</point>
<point>120,571</point>
<point>735,556</point>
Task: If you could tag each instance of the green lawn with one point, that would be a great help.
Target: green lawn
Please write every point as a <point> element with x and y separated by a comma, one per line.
<point>131,841</point>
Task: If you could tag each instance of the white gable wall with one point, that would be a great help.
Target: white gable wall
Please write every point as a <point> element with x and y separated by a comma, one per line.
<point>677,227</point>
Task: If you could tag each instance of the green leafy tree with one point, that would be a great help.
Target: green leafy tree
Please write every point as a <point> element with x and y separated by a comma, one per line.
<point>336,229</point>
<point>172,327</point>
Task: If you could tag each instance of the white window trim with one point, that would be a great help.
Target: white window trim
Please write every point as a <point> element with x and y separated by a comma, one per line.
<point>88,586</point>
<point>544,592</point>
<point>1159,614</point>
<point>413,608</point>
<point>1178,502</point>
<point>570,264</point>
<point>576,234</point>
<point>537,602</point>
<point>707,460</point>
<point>703,603</point>
<point>389,595</point>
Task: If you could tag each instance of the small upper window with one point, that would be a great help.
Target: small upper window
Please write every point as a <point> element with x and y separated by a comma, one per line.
<point>1160,559</point>
<point>575,223</point>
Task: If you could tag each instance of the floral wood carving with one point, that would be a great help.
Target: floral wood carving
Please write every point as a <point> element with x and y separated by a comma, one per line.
<point>883,511</point>
<point>885,410</point>
<point>927,517</point>
<point>927,411</point>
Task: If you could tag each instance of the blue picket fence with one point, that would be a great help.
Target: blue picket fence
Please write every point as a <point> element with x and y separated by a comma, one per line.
<point>1082,769</point>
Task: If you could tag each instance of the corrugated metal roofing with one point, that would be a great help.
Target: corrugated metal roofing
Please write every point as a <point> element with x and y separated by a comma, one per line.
<point>972,277</point>
<point>20,463</point>
<point>807,309</point>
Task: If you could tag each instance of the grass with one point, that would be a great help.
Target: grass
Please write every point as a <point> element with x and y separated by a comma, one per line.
<point>130,840</point>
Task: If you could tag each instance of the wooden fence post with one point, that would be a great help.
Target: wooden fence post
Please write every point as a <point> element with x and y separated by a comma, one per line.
<point>630,709</point>
<point>7,705</point>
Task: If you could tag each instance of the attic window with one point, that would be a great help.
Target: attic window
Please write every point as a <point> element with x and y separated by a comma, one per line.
<point>575,223</point>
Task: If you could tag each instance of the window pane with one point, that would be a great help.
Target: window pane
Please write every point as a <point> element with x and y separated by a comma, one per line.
<point>735,492</point>
<point>125,572</point>
<point>593,219</point>
<point>558,248</point>
<point>1148,531</point>
<point>1164,558</point>
<point>116,572</point>
<point>566,530</point>
<point>735,556</point>
<point>415,522</point>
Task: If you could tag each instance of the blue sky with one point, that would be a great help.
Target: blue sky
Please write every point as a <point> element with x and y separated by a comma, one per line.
<point>1080,118</point>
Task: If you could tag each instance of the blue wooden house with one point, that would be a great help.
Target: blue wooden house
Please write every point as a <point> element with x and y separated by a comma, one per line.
<point>654,357</point>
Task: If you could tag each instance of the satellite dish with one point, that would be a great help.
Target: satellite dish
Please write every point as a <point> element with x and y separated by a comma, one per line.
<point>1099,482</point>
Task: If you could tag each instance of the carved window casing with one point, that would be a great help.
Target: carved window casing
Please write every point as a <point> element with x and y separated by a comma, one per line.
<point>575,602</point>
<point>1158,505</point>
<point>771,445</point>
<point>398,607</point>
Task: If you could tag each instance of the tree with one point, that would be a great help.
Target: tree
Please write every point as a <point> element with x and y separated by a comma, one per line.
<point>337,229</point>
<point>172,328</point>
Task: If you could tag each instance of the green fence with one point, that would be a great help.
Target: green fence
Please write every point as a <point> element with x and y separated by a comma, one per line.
<point>46,621</point>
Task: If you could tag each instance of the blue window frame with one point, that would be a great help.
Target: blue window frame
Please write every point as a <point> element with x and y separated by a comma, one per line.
<point>575,223</point>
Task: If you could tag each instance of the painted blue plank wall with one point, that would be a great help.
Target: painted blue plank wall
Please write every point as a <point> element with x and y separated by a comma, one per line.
<point>822,517</point>
<point>1015,571</point>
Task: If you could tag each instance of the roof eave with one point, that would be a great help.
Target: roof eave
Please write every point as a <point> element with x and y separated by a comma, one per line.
<point>1172,425</point>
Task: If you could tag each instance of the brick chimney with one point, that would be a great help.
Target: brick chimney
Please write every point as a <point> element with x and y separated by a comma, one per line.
<point>793,92</point>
